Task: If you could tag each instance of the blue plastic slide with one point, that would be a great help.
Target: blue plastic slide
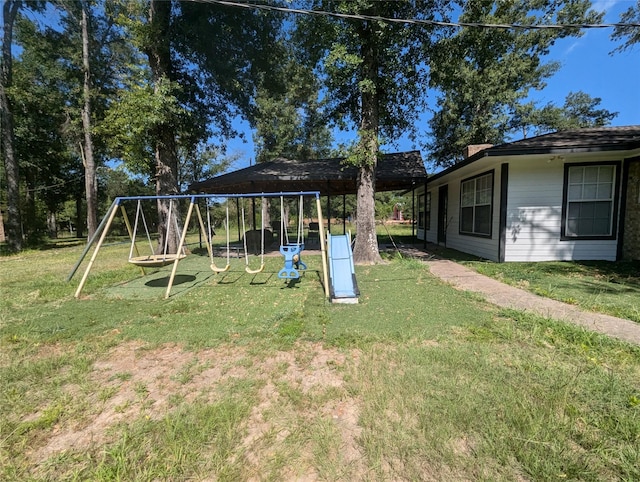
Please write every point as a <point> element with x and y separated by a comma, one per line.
<point>342,274</point>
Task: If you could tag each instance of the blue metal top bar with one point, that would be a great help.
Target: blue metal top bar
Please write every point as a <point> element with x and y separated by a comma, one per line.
<point>193,197</point>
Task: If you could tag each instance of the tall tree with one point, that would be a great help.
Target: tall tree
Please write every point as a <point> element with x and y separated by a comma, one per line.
<point>14,222</point>
<point>374,73</point>
<point>484,74</point>
<point>41,93</point>
<point>203,62</point>
<point>158,51</point>
<point>79,24</point>
<point>88,159</point>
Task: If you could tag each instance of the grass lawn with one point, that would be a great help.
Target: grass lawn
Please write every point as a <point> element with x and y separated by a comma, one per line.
<point>246,377</point>
<point>605,287</point>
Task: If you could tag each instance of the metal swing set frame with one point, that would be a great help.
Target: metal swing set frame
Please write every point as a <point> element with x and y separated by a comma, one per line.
<point>165,259</point>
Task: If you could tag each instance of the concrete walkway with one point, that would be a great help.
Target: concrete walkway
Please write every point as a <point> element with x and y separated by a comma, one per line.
<point>510,297</point>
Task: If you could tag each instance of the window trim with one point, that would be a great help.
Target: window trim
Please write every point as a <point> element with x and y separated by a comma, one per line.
<point>615,200</point>
<point>493,181</point>
<point>427,211</point>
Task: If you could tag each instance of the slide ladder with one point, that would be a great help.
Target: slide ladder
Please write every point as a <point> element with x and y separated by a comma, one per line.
<point>342,274</point>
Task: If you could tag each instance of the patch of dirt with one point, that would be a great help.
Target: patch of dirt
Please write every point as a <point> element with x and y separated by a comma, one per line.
<point>309,370</point>
<point>137,382</point>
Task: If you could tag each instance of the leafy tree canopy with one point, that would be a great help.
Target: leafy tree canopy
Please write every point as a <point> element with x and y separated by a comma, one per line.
<point>630,35</point>
<point>485,75</point>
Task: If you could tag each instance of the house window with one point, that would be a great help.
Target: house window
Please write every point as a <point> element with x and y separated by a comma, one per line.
<point>589,207</point>
<point>476,203</point>
<point>428,211</point>
<point>421,211</point>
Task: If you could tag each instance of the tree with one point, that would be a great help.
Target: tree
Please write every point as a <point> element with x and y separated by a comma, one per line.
<point>289,120</point>
<point>579,110</point>
<point>80,24</point>
<point>485,74</point>
<point>202,163</point>
<point>630,34</point>
<point>42,83</point>
<point>14,222</point>
<point>374,73</point>
<point>203,62</point>
<point>88,159</point>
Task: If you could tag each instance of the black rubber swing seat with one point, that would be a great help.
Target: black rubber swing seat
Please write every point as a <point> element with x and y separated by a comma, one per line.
<point>156,260</point>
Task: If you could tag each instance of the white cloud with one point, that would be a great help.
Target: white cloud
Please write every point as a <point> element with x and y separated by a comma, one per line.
<point>606,5</point>
<point>572,47</point>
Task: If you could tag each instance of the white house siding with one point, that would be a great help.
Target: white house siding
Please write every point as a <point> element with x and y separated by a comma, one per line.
<point>534,216</point>
<point>478,246</point>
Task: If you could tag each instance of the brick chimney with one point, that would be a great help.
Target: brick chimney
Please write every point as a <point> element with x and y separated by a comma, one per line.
<point>474,149</point>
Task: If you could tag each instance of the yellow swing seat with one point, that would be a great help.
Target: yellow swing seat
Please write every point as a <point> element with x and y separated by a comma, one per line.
<point>216,269</point>
<point>254,271</point>
<point>156,260</point>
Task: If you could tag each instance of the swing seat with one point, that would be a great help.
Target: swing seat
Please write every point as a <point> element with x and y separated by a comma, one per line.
<point>254,271</point>
<point>215,269</point>
<point>292,261</point>
<point>156,260</point>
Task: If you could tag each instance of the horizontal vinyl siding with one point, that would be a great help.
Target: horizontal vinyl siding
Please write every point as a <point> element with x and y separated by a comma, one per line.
<point>478,246</point>
<point>534,217</point>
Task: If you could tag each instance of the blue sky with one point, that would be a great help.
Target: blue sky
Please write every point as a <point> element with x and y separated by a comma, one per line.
<point>587,66</point>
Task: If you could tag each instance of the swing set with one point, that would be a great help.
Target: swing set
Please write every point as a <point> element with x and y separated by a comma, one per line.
<point>160,258</point>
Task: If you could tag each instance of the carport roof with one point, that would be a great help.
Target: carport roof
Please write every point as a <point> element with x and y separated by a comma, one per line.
<point>397,171</point>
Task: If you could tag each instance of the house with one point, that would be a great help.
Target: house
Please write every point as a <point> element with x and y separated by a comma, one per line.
<point>569,195</point>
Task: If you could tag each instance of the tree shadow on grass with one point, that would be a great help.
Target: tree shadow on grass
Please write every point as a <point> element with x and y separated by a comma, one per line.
<point>164,281</point>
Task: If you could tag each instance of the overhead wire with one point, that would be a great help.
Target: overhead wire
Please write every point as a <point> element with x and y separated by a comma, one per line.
<point>414,21</point>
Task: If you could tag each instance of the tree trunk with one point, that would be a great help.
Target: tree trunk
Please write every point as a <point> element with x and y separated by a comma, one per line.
<point>52,224</point>
<point>90,180</point>
<point>79,217</point>
<point>166,160</point>
<point>366,243</point>
<point>14,221</point>
<point>31,230</point>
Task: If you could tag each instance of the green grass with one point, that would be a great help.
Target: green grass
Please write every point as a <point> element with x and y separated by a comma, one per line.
<point>605,287</point>
<point>240,376</point>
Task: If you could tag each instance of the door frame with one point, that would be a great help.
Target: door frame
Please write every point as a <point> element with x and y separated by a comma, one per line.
<point>443,207</point>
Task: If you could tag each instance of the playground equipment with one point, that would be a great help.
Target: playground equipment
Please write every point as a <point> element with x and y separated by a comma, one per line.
<point>246,249</point>
<point>344,288</point>
<point>292,252</point>
<point>213,266</point>
<point>153,260</point>
<point>173,259</point>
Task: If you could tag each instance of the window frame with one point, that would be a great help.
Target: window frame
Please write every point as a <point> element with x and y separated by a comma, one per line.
<point>427,211</point>
<point>614,201</point>
<point>475,178</point>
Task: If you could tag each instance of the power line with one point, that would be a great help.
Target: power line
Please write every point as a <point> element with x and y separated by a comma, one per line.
<point>424,23</point>
<point>53,186</point>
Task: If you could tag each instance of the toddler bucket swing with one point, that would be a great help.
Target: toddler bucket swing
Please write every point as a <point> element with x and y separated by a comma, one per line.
<point>292,251</point>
